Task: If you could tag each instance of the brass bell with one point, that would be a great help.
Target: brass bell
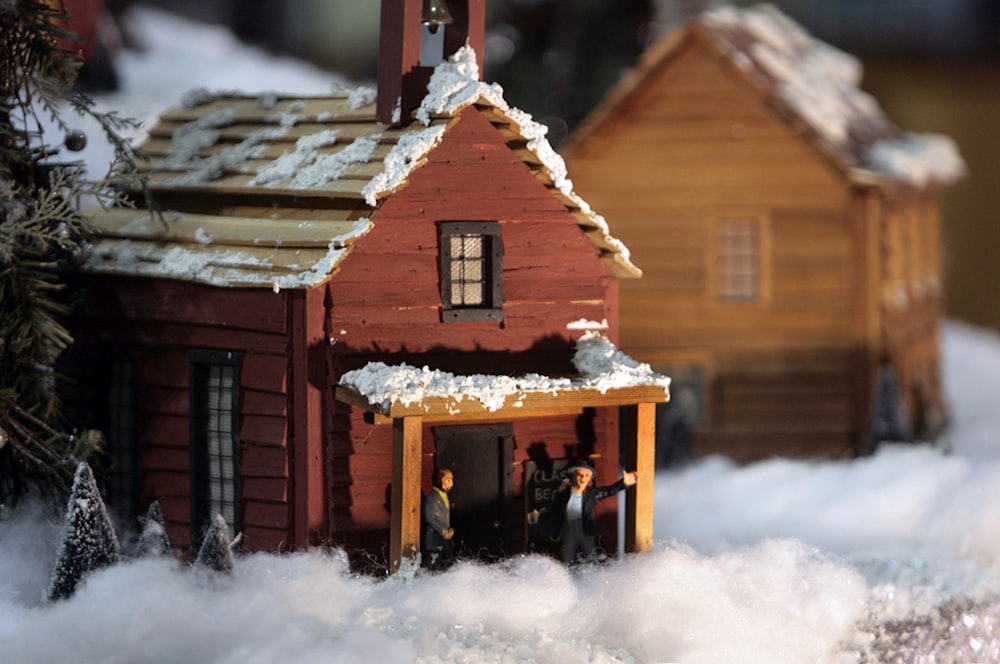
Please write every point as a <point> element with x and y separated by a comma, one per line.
<point>435,14</point>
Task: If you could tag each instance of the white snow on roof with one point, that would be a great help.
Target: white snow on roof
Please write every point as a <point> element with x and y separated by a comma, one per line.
<point>819,81</point>
<point>918,158</point>
<point>407,154</point>
<point>289,163</point>
<point>228,158</point>
<point>322,269</point>
<point>329,167</point>
<point>601,366</point>
<point>584,324</point>
<point>455,84</point>
<point>821,84</point>
<point>217,266</point>
<point>196,136</point>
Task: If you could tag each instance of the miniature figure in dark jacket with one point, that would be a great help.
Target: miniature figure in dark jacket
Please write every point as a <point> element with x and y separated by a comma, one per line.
<point>438,534</point>
<point>572,512</point>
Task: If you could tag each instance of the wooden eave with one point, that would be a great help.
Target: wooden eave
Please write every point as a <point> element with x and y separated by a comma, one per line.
<point>655,57</point>
<point>523,404</point>
<point>235,251</point>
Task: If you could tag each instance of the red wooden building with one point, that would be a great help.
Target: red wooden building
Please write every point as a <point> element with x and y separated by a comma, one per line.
<point>300,239</point>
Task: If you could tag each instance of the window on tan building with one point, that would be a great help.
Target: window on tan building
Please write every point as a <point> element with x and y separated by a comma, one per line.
<point>738,260</point>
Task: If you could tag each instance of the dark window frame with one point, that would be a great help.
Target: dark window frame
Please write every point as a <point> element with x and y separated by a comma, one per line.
<point>491,233</point>
<point>201,365</point>
<point>121,424</point>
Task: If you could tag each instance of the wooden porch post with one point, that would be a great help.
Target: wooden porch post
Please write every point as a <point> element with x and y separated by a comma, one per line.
<point>404,532</point>
<point>308,374</point>
<point>640,455</point>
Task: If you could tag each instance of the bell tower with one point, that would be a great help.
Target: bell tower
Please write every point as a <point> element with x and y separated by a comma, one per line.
<point>415,36</point>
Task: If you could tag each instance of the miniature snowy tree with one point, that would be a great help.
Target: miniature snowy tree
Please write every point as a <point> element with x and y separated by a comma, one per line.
<point>153,540</point>
<point>216,550</point>
<point>89,543</point>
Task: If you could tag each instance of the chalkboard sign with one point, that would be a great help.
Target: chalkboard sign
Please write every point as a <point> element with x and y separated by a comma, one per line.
<point>541,479</point>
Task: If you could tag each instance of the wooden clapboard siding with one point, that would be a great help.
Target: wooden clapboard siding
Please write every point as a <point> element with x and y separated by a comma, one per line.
<point>696,141</point>
<point>166,319</point>
<point>546,271</point>
<point>379,300</point>
<point>386,300</point>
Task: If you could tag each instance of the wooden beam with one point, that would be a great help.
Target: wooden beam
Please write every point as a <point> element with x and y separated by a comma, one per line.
<point>640,455</point>
<point>309,488</point>
<point>404,535</point>
<point>522,404</point>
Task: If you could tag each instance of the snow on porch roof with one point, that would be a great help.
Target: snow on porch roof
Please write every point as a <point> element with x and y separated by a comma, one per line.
<point>606,377</point>
<point>324,162</point>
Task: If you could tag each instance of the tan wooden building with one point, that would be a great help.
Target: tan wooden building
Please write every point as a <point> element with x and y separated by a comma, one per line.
<point>789,235</point>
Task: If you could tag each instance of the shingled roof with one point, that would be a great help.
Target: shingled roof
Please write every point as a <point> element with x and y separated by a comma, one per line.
<point>814,85</point>
<point>296,180</point>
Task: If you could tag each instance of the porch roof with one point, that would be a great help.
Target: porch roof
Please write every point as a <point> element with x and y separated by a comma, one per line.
<point>516,405</point>
<point>408,397</point>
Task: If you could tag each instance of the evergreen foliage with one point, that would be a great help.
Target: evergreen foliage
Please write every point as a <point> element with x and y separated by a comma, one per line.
<point>216,552</point>
<point>41,229</point>
<point>153,540</point>
<point>89,543</point>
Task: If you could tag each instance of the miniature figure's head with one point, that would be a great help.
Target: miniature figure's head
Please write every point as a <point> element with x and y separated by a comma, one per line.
<point>444,479</point>
<point>580,477</point>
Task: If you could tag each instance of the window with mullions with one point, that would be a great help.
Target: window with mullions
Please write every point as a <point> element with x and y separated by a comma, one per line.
<point>214,440</point>
<point>738,275</point>
<point>471,271</point>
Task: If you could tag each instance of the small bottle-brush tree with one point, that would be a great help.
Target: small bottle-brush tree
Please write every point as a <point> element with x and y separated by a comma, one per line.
<point>153,540</point>
<point>216,551</point>
<point>90,542</point>
<point>40,229</point>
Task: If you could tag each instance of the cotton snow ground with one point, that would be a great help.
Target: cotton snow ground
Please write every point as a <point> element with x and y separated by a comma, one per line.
<point>780,561</point>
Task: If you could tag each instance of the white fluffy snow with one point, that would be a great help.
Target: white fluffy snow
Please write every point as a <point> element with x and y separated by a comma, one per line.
<point>455,84</point>
<point>780,561</point>
<point>600,364</point>
<point>821,83</point>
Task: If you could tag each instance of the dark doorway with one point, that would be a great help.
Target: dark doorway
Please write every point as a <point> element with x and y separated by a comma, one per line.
<point>481,457</point>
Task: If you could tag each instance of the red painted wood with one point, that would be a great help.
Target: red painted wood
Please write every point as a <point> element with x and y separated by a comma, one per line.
<point>260,461</point>
<point>266,515</point>
<point>166,430</point>
<point>265,372</point>
<point>263,403</point>
<point>258,310</point>
<point>308,380</point>
<point>258,538</point>
<point>265,489</point>
<point>263,429</point>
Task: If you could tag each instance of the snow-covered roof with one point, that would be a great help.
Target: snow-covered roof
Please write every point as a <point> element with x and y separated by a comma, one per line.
<point>812,83</point>
<point>322,162</point>
<point>820,84</point>
<point>601,367</point>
